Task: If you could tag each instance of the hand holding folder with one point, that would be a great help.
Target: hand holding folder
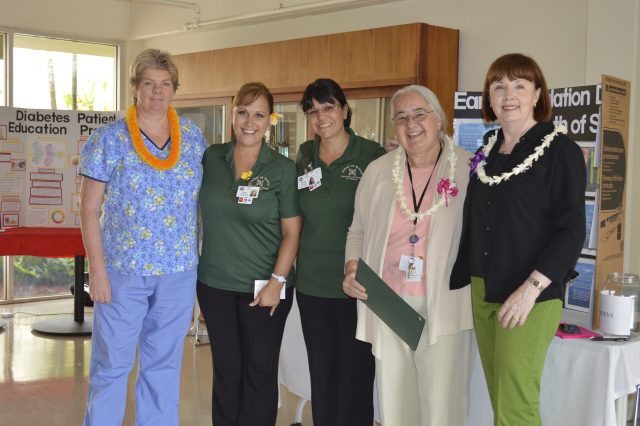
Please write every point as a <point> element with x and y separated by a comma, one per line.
<point>390,307</point>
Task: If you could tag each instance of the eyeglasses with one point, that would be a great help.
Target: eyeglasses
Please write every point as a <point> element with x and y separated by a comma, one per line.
<point>419,116</point>
<point>315,113</point>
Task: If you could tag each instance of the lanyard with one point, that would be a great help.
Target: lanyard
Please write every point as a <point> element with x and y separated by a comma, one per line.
<point>413,239</point>
<point>417,204</point>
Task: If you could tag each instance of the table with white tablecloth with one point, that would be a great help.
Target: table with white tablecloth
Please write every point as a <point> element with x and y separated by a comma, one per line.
<point>293,371</point>
<point>581,381</point>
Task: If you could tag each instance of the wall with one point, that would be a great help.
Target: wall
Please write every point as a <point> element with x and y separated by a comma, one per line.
<point>560,47</point>
<point>91,20</point>
<point>575,41</point>
<point>106,20</point>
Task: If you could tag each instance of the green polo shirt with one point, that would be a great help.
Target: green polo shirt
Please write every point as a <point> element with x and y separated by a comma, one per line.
<point>241,241</point>
<point>328,211</point>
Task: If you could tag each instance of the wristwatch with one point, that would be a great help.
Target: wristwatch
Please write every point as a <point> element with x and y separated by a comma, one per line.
<point>537,284</point>
<point>281,279</point>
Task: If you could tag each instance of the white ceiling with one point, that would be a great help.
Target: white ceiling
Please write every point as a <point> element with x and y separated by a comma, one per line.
<point>166,17</point>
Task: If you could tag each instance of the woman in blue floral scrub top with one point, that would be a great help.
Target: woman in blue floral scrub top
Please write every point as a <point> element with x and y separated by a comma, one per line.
<point>139,197</point>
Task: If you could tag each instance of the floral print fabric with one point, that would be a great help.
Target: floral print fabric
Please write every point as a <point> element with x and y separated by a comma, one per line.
<point>149,220</point>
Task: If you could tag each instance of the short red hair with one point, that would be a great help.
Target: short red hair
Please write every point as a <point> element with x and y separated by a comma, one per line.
<point>513,66</point>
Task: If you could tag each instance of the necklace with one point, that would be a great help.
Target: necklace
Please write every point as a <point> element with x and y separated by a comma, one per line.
<point>398,174</point>
<point>142,151</point>
<point>413,238</point>
<point>480,159</point>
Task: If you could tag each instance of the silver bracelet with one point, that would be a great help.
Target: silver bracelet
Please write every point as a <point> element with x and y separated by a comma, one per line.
<point>281,279</point>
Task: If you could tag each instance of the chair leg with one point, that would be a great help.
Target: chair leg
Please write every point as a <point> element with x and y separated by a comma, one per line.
<point>195,328</point>
<point>193,331</point>
<point>636,411</point>
<point>299,410</point>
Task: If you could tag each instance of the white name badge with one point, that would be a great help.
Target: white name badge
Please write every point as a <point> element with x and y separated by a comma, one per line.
<point>311,180</point>
<point>248,192</point>
<point>314,184</point>
<point>315,174</point>
<point>412,266</point>
<point>303,181</point>
<point>258,285</point>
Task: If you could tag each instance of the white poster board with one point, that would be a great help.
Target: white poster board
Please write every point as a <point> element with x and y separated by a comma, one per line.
<point>39,155</point>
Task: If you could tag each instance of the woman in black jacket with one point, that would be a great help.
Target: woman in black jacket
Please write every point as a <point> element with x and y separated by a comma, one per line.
<point>524,225</point>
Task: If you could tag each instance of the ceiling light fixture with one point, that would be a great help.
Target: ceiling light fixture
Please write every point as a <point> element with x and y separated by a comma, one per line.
<point>195,8</point>
<point>282,12</point>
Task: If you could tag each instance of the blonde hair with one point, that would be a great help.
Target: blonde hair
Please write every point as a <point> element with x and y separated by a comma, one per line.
<point>152,59</point>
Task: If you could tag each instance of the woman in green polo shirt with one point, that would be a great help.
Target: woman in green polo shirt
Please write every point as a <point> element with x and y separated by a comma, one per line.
<point>329,170</point>
<point>252,222</point>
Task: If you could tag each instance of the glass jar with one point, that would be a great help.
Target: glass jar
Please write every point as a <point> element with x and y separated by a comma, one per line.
<point>613,285</point>
<point>619,304</point>
<point>631,287</point>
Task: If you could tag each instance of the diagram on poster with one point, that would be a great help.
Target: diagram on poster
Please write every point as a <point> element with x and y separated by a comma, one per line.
<point>47,154</point>
<point>39,154</point>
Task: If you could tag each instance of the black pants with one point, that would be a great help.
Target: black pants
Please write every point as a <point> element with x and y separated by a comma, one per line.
<point>342,368</point>
<point>245,347</point>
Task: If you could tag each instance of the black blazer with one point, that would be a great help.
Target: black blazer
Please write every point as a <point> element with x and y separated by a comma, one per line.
<point>536,220</point>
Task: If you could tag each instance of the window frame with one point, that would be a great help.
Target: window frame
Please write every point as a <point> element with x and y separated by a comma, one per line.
<point>121,81</point>
<point>121,96</point>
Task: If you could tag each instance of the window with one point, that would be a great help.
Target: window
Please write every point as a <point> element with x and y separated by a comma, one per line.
<point>51,73</point>
<point>367,118</point>
<point>291,131</point>
<point>42,277</point>
<point>370,119</point>
<point>63,74</point>
<point>209,118</point>
<point>3,78</point>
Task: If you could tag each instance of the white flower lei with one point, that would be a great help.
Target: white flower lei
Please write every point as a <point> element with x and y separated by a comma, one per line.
<point>398,175</point>
<point>525,165</point>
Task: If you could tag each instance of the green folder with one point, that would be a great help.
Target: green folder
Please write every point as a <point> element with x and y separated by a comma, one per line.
<point>390,307</point>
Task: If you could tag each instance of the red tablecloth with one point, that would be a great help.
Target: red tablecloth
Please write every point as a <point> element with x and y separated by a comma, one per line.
<point>42,242</point>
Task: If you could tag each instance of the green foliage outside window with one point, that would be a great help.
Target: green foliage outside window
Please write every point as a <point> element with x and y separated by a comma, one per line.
<point>41,276</point>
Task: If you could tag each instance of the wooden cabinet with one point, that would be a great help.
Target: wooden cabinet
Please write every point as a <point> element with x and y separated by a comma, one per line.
<point>370,63</point>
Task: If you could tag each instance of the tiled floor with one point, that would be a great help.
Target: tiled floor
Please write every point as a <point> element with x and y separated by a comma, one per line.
<point>43,379</point>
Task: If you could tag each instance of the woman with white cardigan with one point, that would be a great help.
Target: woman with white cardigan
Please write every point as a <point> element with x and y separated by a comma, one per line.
<point>406,227</point>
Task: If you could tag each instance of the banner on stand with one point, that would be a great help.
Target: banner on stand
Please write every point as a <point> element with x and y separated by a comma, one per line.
<point>39,154</point>
<point>614,135</point>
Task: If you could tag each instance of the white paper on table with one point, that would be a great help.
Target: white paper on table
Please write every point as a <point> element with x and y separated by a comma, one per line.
<point>616,313</point>
<point>260,284</point>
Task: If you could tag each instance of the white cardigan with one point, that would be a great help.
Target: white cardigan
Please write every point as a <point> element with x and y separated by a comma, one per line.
<point>447,311</point>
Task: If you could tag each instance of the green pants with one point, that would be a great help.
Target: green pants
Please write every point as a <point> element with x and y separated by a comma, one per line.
<point>513,359</point>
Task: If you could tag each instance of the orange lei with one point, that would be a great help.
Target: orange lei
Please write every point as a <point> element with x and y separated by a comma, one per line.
<point>143,152</point>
